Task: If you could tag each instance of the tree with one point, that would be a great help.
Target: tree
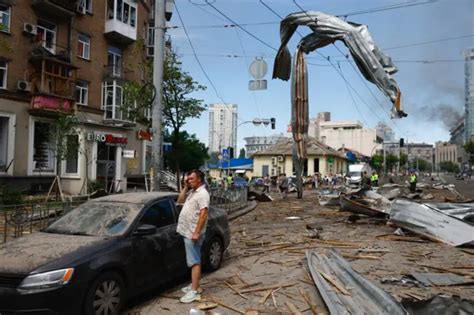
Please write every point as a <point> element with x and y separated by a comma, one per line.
<point>242,154</point>
<point>193,156</point>
<point>469,147</point>
<point>376,162</point>
<point>391,162</point>
<point>449,166</point>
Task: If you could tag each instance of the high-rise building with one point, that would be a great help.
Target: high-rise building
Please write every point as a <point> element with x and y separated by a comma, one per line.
<point>222,127</point>
<point>385,132</point>
<point>469,93</point>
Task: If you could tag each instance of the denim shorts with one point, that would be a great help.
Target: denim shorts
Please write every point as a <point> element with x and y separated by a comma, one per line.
<point>193,251</point>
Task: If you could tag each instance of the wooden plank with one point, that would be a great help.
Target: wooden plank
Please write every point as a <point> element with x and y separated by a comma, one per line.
<point>222,303</point>
<point>334,283</point>
<point>276,286</point>
<point>313,307</point>
<point>235,290</point>
<point>292,308</point>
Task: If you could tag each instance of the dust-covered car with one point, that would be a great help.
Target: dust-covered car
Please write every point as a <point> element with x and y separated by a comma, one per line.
<point>95,257</point>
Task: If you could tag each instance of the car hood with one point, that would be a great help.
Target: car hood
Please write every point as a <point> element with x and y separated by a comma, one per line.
<point>25,254</point>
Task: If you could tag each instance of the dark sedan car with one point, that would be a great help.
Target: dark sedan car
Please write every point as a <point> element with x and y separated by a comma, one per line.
<point>101,253</point>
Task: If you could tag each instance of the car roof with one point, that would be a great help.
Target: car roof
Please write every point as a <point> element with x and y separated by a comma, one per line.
<point>136,197</point>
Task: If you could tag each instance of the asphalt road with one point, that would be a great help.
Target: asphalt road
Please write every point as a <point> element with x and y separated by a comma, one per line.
<point>464,187</point>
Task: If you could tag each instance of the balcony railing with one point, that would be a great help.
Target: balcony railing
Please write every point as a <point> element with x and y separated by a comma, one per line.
<point>113,72</point>
<point>57,9</point>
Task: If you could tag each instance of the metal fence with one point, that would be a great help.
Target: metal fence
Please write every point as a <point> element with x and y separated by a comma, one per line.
<point>17,220</point>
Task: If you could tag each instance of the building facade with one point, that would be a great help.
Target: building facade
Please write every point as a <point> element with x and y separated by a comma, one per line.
<point>350,134</point>
<point>62,57</point>
<point>256,143</point>
<point>457,133</point>
<point>469,93</point>
<point>277,159</point>
<point>414,151</point>
<point>449,152</point>
<point>385,132</point>
<point>222,127</point>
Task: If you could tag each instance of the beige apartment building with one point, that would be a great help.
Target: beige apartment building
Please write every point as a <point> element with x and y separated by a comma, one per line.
<point>71,56</point>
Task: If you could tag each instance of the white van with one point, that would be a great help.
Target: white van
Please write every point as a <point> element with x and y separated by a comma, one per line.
<point>356,172</point>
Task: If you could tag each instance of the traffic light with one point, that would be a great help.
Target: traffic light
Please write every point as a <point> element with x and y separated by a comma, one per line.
<point>231,152</point>
<point>402,142</point>
<point>272,121</point>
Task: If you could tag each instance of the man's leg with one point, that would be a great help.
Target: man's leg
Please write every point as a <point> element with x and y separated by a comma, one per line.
<point>195,276</point>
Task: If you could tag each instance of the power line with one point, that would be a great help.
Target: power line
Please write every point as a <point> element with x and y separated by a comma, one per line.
<point>388,7</point>
<point>195,55</point>
<point>430,42</point>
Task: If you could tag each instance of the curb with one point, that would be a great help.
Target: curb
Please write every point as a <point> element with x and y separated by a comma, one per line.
<point>234,215</point>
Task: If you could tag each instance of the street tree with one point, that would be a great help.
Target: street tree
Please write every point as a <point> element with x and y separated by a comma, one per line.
<point>196,153</point>
<point>449,166</point>
<point>469,147</point>
<point>242,153</point>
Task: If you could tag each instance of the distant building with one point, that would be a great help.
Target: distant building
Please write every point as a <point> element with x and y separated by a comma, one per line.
<point>277,159</point>
<point>351,134</point>
<point>458,133</point>
<point>222,127</point>
<point>469,94</point>
<point>449,152</point>
<point>385,132</point>
<point>256,143</point>
<point>413,151</point>
<point>314,128</point>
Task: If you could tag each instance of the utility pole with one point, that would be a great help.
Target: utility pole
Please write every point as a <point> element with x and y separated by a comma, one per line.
<point>157,111</point>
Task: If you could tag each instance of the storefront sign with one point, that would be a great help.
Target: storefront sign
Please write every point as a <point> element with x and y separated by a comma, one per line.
<point>144,135</point>
<point>108,138</point>
<point>128,154</point>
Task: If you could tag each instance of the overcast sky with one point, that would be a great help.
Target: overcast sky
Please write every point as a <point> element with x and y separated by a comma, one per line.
<point>424,38</point>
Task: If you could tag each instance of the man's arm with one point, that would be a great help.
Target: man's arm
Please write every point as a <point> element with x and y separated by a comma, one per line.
<point>182,194</point>
<point>202,219</point>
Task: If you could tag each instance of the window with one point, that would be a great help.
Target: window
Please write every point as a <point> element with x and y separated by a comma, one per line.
<point>3,74</point>
<point>3,143</point>
<point>84,46</point>
<point>150,43</point>
<point>125,11</point>
<point>82,92</point>
<point>112,100</point>
<point>42,153</point>
<point>72,154</point>
<point>5,18</point>
<point>114,61</point>
<point>47,34</point>
<point>160,214</point>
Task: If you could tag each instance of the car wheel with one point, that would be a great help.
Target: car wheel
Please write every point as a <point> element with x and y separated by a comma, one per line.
<point>106,295</point>
<point>214,252</point>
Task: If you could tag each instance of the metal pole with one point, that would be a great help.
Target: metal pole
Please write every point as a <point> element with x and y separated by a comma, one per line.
<point>384,159</point>
<point>398,162</point>
<point>157,113</point>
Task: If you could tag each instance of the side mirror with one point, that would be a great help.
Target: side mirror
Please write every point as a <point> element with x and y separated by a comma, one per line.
<point>145,229</point>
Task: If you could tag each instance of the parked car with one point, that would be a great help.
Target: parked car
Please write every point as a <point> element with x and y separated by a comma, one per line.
<point>103,252</point>
<point>240,182</point>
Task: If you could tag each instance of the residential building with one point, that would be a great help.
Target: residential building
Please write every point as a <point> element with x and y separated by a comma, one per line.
<point>222,127</point>
<point>256,143</point>
<point>414,151</point>
<point>351,134</point>
<point>71,57</point>
<point>449,152</point>
<point>314,128</point>
<point>469,93</point>
<point>385,132</point>
<point>278,159</point>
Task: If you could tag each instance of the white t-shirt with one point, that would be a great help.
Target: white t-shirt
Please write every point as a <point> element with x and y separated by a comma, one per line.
<point>195,201</point>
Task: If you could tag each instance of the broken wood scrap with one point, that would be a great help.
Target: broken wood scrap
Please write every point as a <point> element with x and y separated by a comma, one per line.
<point>373,250</point>
<point>291,297</point>
<point>452,270</point>
<point>307,282</point>
<point>257,243</point>
<point>391,237</point>
<point>235,290</point>
<point>274,298</point>
<point>467,251</point>
<point>250,285</point>
<point>292,308</point>
<point>464,267</point>
<point>275,286</point>
<point>328,278</point>
<point>222,303</point>
<point>266,296</point>
<point>361,257</point>
<point>312,306</point>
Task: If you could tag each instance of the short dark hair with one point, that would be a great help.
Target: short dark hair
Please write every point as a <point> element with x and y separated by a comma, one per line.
<point>199,174</point>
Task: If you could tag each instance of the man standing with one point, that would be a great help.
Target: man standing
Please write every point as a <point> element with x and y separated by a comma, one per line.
<point>413,181</point>
<point>192,224</point>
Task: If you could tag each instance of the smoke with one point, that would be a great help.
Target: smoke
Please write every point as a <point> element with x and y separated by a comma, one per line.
<point>445,113</point>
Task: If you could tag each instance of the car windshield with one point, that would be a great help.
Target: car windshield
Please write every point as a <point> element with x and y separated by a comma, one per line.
<point>354,174</point>
<point>97,219</point>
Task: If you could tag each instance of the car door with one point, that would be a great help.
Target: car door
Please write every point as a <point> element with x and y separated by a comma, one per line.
<point>154,254</point>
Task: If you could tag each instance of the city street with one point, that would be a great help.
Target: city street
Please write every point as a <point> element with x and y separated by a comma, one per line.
<point>267,255</point>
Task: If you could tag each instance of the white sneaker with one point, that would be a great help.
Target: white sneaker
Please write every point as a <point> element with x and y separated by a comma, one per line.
<point>188,288</point>
<point>191,296</point>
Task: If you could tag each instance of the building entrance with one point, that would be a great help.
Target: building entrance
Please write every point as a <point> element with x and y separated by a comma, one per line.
<point>106,155</point>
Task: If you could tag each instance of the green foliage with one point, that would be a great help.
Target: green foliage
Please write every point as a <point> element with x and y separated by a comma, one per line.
<point>376,162</point>
<point>391,161</point>
<point>449,166</point>
<point>94,185</point>
<point>190,153</point>
<point>10,196</point>
<point>469,147</point>
<point>403,159</point>
<point>242,153</point>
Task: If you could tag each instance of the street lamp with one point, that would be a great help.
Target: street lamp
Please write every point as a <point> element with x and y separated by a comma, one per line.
<point>163,10</point>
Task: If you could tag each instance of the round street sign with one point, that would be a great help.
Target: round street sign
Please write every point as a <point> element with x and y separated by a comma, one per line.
<point>258,69</point>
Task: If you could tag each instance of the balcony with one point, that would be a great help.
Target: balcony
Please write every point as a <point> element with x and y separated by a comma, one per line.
<point>56,9</point>
<point>121,21</point>
<point>119,32</point>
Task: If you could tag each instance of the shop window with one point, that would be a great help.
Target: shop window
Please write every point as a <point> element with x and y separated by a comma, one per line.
<point>84,46</point>
<point>82,92</point>
<point>3,143</point>
<point>42,151</point>
<point>72,154</point>
<point>46,33</point>
<point>3,74</point>
<point>5,13</point>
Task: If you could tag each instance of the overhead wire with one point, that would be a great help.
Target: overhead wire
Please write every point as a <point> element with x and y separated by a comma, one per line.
<point>387,7</point>
<point>196,57</point>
